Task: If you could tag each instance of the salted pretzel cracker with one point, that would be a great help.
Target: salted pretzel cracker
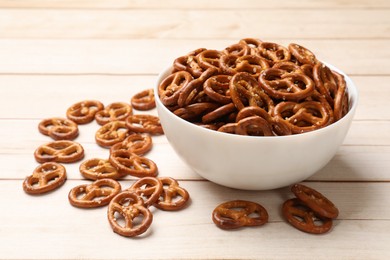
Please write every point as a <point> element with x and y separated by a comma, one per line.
<point>273,52</point>
<point>229,128</point>
<point>138,143</point>
<point>59,128</point>
<point>299,215</point>
<point>95,169</point>
<point>210,59</point>
<point>169,88</point>
<point>46,177</point>
<point>341,102</point>
<point>195,111</point>
<point>173,197</point>
<point>303,117</point>
<point>251,64</point>
<point>238,49</point>
<point>117,111</point>
<point>217,88</point>
<point>189,92</point>
<point>62,151</point>
<point>278,126</point>
<point>302,54</point>
<point>286,86</point>
<point>245,91</point>
<point>130,207</point>
<point>254,126</point>
<point>143,100</point>
<point>317,202</point>
<point>97,194</point>
<point>131,164</point>
<point>189,63</point>
<point>111,133</point>
<point>148,188</point>
<point>288,67</point>
<point>142,123</point>
<point>83,112</point>
<point>326,82</point>
<point>237,213</point>
<point>252,43</point>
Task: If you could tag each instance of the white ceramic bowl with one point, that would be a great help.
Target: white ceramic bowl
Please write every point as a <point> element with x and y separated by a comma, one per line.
<point>254,162</point>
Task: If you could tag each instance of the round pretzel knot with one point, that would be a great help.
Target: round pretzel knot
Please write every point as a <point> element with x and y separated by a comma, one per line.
<point>315,201</point>
<point>189,63</point>
<point>173,196</point>
<point>131,164</point>
<point>299,215</point>
<point>252,43</point>
<point>210,59</point>
<point>127,214</point>
<point>148,188</point>
<point>46,177</point>
<point>236,213</point>
<point>341,102</point>
<point>144,124</point>
<point>111,133</point>
<point>97,194</point>
<point>84,112</point>
<point>95,169</point>
<point>59,151</point>
<point>169,88</point>
<point>286,86</point>
<point>217,88</point>
<point>303,117</point>
<point>252,64</point>
<point>273,52</point>
<point>196,110</point>
<point>59,128</point>
<point>302,54</point>
<point>117,111</point>
<point>254,126</point>
<point>190,92</point>
<point>238,49</point>
<point>245,91</point>
<point>143,100</point>
<point>137,143</point>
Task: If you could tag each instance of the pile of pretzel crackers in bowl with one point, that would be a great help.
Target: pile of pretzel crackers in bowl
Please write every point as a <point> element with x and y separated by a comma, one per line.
<point>255,115</point>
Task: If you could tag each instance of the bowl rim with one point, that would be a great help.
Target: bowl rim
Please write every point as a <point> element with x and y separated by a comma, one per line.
<point>353,101</point>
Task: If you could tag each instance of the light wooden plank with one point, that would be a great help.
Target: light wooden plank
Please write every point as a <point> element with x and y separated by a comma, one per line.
<point>47,90</point>
<point>151,56</point>
<point>373,99</point>
<point>194,24</point>
<point>357,163</point>
<point>200,4</point>
<point>373,95</point>
<point>48,227</point>
<point>368,133</point>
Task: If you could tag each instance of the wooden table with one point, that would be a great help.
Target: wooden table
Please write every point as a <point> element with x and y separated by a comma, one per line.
<point>55,53</point>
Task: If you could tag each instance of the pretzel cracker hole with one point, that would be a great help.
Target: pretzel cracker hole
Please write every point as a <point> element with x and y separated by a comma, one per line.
<point>316,221</point>
<point>34,182</point>
<point>121,221</point>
